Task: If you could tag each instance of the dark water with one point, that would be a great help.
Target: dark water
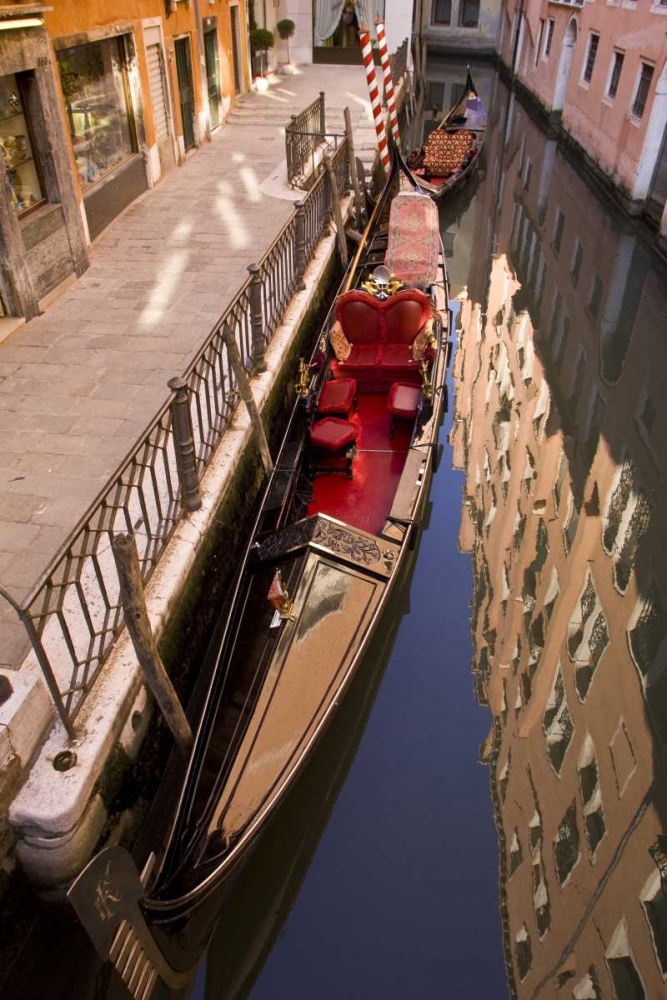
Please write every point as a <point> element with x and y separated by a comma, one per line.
<point>531,636</point>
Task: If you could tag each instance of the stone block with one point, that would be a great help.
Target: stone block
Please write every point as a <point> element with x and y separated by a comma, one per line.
<point>25,716</point>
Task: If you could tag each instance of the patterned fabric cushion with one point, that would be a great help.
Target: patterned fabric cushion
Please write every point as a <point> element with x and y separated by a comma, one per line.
<point>339,342</point>
<point>445,151</point>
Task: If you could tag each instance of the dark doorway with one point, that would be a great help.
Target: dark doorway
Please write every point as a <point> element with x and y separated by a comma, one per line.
<point>238,75</point>
<point>186,93</point>
<point>212,75</point>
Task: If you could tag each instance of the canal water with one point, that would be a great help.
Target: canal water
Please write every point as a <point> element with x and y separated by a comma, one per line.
<point>487,817</point>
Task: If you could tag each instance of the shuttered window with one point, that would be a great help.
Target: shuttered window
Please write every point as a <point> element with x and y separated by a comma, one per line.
<point>158,96</point>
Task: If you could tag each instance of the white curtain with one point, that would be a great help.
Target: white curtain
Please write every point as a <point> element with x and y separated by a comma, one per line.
<point>327,16</point>
<point>367,11</point>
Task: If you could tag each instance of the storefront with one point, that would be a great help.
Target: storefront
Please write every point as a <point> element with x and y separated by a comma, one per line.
<point>42,241</point>
<point>104,121</point>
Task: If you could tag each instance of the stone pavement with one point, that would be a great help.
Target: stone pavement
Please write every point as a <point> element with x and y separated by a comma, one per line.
<point>80,383</point>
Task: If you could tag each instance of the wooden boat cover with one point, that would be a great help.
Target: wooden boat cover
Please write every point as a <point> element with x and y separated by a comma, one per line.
<point>414,239</point>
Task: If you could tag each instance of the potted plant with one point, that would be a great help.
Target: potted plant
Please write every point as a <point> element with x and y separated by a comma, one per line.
<point>261,40</point>
<point>286,29</point>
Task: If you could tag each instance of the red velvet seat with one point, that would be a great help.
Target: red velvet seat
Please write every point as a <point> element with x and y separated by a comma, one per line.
<point>380,333</point>
<point>337,397</point>
<point>332,434</point>
<point>333,439</point>
<point>403,403</point>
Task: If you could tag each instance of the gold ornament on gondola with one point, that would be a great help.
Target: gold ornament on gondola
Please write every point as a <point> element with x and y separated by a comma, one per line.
<point>302,384</point>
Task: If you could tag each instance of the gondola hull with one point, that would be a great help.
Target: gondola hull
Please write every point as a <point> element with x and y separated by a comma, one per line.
<point>310,596</point>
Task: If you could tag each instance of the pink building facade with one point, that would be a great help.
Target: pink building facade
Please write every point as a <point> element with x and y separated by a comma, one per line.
<point>599,70</point>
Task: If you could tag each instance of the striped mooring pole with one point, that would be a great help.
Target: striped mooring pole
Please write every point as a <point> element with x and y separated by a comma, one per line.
<point>388,82</point>
<point>374,93</point>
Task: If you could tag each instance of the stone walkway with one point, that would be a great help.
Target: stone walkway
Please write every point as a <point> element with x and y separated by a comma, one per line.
<point>80,383</point>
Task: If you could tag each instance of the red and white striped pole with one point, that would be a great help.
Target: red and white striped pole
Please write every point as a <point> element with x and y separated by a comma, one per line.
<point>376,104</point>
<point>388,82</point>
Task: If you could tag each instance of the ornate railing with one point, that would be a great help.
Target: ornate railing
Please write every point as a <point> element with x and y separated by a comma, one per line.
<point>306,139</point>
<point>72,615</point>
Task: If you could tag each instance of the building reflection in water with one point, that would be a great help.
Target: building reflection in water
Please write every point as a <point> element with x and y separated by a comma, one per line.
<point>560,424</point>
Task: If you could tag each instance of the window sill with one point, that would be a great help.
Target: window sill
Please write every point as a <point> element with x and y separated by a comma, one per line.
<point>658,9</point>
<point>584,85</point>
<point>609,101</point>
<point>633,120</point>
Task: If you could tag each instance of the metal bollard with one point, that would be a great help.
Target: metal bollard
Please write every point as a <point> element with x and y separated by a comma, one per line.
<point>323,116</point>
<point>257,319</point>
<point>300,241</point>
<point>184,444</point>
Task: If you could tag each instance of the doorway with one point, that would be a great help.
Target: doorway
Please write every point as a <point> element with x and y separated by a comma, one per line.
<point>212,76</point>
<point>236,52</point>
<point>565,65</point>
<point>186,93</point>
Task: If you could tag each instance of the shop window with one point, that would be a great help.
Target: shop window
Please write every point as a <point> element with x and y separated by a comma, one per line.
<point>469,17</point>
<point>94,82</point>
<point>566,845</point>
<point>17,147</point>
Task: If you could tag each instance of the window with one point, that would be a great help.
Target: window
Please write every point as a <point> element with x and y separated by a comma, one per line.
<point>524,953</point>
<point>577,258</point>
<point>540,896</point>
<point>641,96</point>
<point>441,12</point>
<point>469,14</point>
<point>16,147</point>
<point>615,75</point>
<point>540,38</point>
<point>559,225</point>
<point>587,988</point>
<point>588,636</point>
<point>94,83</point>
<point>550,37</point>
<point>593,42</point>
<point>516,854</point>
<point>595,300</point>
<point>591,797</point>
<point>624,975</point>
<point>566,845</point>
<point>654,901</point>
<point>436,94</point>
<point>557,724</point>
<point>649,630</point>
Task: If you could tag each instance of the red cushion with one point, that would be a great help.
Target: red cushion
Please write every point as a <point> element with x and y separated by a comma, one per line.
<point>337,396</point>
<point>359,318</point>
<point>405,318</point>
<point>398,356</point>
<point>403,400</point>
<point>332,434</point>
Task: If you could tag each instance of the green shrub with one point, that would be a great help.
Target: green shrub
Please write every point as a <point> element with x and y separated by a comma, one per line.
<point>260,40</point>
<point>285,28</point>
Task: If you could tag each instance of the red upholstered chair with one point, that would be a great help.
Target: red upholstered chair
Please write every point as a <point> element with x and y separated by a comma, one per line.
<point>332,442</point>
<point>337,397</point>
<point>403,403</point>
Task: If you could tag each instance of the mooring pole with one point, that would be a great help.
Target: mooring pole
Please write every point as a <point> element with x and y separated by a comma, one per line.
<point>247,397</point>
<point>352,157</point>
<point>133,602</point>
<point>337,213</point>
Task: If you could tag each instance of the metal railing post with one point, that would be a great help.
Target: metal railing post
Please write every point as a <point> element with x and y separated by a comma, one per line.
<point>184,444</point>
<point>300,240</point>
<point>257,319</point>
<point>323,116</point>
<point>337,211</point>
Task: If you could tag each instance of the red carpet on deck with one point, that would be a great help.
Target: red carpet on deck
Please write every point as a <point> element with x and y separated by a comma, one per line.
<point>366,499</point>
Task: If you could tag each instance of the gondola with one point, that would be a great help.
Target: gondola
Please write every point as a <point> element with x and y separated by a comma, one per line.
<point>335,527</point>
<point>443,164</point>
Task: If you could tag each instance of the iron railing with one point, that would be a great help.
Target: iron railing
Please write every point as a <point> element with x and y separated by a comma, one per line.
<point>306,138</point>
<point>72,616</point>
